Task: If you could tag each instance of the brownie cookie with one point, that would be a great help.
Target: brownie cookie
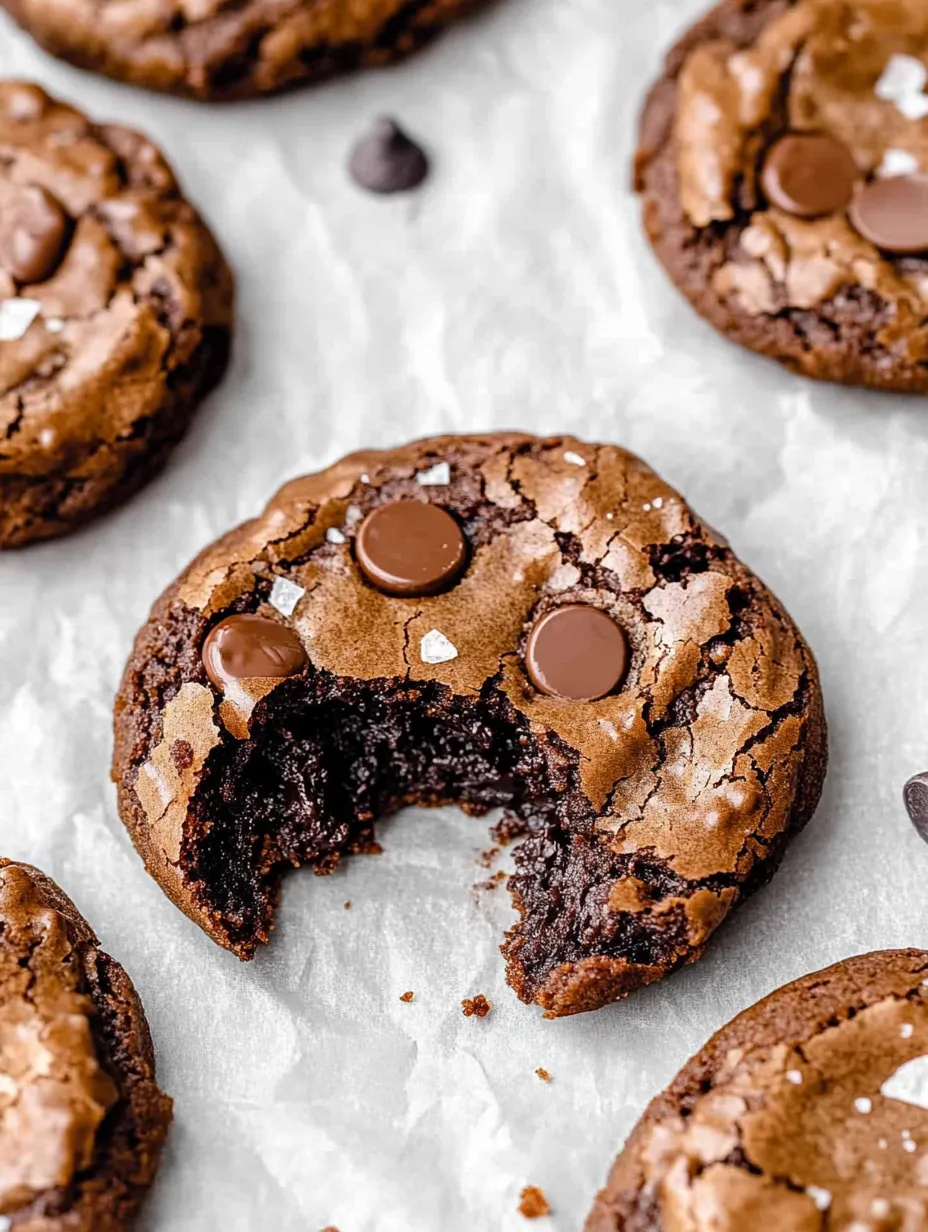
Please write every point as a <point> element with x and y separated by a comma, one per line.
<point>783,165</point>
<point>228,49</point>
<point>82,1122</point>
<point>115,312</point>
<point>808,1112</point>
<point>542,625</point>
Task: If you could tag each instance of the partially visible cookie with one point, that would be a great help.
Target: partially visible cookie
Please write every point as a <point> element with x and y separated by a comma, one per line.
<point>228,49</point>
<point>115,314</point>
<point>808,1112</point>
<point>82,1121</point>
<point>783,166</point>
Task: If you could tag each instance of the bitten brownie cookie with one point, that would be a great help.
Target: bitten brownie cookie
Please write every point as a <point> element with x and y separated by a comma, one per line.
<point>783,165</point>
<point>115,312</point>
<point>542,625</point>
<point>808,1112</point>
<point>228,49</point>
<point>82,1122</point>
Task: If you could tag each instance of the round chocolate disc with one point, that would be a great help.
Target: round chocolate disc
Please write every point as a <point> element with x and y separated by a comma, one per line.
<point>410,548</point>
<point>33,230</point>
<point>240,647</point>
<point>809,175</point>
<point>576,652</point>
<point>893,213</point>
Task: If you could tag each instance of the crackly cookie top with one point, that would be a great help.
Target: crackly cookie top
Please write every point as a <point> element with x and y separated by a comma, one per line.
<point>693,743</point>
<point>809,1111</point>
<point>107,278</point>
<point>841,201</point>
<point>227,48</point>
<point>54,1094</point>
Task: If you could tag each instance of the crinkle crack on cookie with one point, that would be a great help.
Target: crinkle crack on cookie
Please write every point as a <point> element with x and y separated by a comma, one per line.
<point>231,49</point>
<point>82,1122</point>
<point>115,314</point>
<point>783,165</point>
<point>808,1112</point>
<point>500,621</point>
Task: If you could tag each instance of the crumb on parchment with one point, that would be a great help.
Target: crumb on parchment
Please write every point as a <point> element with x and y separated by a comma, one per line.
<point>407,997</point>
<point>476,1007</point>
<point>543,1074</point>
<point>347,908</point>
<point>533,1204</point>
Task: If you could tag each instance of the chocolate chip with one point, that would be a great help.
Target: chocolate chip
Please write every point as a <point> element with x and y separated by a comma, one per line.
<point>410,548</point>
<point>386,160</point>
<point>576,652</point>
<point>33,230</point>
<point>893,214</point>
<point>915,795</point>
<point>809,175</point>
<point>242,647</point>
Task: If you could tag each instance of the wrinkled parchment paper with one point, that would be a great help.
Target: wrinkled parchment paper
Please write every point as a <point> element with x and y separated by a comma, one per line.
<point>513,291</point>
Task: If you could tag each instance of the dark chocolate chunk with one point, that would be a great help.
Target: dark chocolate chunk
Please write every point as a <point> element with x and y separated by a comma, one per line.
<point>386,160</point>
<point>893,214</point>
<point>410,548</point>
<point>576,652</point>
<point>809,175</point>
<point>243,647</point>
<point>33,232</point>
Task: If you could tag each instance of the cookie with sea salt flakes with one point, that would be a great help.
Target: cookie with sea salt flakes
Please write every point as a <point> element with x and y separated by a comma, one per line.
<point>115,314</point>
<point>808,1112</point>
<point>228,49</point>
<point>493,621</point>
<point>783,170</point>
<point>82,1121</point>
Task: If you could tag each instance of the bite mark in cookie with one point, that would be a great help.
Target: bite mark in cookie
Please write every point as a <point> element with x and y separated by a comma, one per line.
<point>115,314</point>
<point>808,1111</point>
<point>782,161</point>
<point>82,1122</point>
<point>645,814</point>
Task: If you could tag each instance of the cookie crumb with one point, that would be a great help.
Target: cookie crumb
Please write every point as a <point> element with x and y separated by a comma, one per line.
<point>533,1204</point>
<point>348,905</point>
<point>407,997</point>
<point>478,1007</point>
<point>543,1074</point>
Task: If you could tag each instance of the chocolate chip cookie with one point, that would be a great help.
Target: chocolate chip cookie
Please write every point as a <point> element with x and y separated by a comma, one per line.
<point>115,314</point>
<point>783,165</point>
<point>499,621</point>
<point>808,1112</point>
<point>82,1122</point>
<point>228,49</point>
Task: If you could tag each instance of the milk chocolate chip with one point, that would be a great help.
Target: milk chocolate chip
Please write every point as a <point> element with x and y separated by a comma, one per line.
<point>410,548</point>
<point>33,230</point>
<point>242,647</point>
<point>893,214</point>
<point>809,175</point>
<point>576,652</point>
<point>386,160</point>
<point>915,795</point>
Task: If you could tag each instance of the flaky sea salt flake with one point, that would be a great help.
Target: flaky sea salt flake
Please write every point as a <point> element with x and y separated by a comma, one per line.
<point>435,648</point>
<point>437,476</point>
<point>285,595</point>
<point>54,325</point>
<point>574,458</point>
<point>897,162</point>
<point>909,1084</point>
<point>821,1197</point>
<point>334,535</point>
<point>16,315</point>
<point>863,1105</point>
<point>903,77</point>
<point>794,1076</point>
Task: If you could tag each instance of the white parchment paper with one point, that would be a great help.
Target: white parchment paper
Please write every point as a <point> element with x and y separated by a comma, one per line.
<point>513,291</point>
